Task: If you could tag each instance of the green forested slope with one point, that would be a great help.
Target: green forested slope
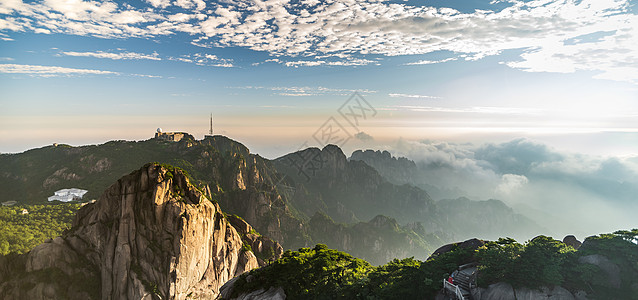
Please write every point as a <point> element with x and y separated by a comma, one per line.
<point>19,232</point>
<point>539,262</point>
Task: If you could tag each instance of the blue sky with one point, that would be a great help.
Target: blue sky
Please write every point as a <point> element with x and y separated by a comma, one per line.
<point>272,72</point>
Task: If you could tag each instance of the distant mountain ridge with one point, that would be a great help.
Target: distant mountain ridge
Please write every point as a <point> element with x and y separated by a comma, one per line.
<point>352,190</point>
<point>488,218</point>
<point>275,196</point>
<point>462,217</point>
<point>243,183</point>
<point>400,170</point>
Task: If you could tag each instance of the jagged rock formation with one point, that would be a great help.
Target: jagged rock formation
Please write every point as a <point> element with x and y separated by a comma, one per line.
<point>243,183</point>
<point>152,235</point>
<point>277,198</point>
<point>349,191</point>
<point>247,185</point>
<point>400,170</point>
<point>271,293</point>
<point>263,247</point>
<point>572,241</point>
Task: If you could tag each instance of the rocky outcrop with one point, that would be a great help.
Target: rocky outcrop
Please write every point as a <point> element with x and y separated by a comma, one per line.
<point>261,294</point>
<point>504,291</point>
<point>571,240</point>
<point>263,247</point>
<point>611,269</point>
<point>271,293</point>
<point>151,235</point>
<point>348,191</point>
<point>398,170</point>
<point>472,244</point>
<point>245,184</point>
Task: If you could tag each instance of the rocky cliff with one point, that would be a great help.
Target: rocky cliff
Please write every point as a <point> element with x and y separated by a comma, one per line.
<point>151,235</point>
<point>349,191</point>
<point>276,202</point>
<point>243,183</point>
<point>400,170</point>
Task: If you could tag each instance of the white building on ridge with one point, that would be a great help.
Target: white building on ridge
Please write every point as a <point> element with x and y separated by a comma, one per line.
<point>66,195</point>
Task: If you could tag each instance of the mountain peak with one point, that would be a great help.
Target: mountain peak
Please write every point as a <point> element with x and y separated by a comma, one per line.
<point>151,235</point>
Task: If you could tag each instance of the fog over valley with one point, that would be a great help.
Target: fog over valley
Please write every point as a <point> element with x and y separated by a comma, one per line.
<point>567,193</point>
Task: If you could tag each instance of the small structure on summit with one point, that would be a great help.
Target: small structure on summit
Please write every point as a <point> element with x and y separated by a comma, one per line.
<point>170,136</point>
<point>66,195</point>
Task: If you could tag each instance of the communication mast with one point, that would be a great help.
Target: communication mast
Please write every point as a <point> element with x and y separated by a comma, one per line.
<point>210,132</point>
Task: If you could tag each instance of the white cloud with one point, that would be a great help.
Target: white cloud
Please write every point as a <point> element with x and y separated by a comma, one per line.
<point>345,61</point>
<point>146,76</point>
<point>191,4</point>
<point>362,136</point>
<point>47,71</point>
<point>398,95</point>
<point>12,24</point>
<point>8,6</point>
<point>313,29</point>
<point>524,172</point>
<point>297,91</point>
<point>473,110</point>
<point>428,62</point>
<point>159,3</point>
<point>209,60</point>
<point>510,183</point>
<point>114,56</point>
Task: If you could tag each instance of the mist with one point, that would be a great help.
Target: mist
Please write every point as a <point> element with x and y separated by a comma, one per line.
<point>566,193</point>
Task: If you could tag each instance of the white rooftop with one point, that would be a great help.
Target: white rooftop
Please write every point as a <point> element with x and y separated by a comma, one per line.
<point>66,195</point>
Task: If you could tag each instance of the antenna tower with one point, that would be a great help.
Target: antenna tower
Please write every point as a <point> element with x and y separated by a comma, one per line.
<point>210,132</point>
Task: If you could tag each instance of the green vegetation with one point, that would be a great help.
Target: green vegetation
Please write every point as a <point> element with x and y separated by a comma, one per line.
<point>19,232</point>
<point>245,247</point>
<point>621,248</point>
<point>385,231</point>
<point>322,273</point>
<point>30,177</point>
<point>544,261</point>
<point>537,263</point>
<point>318,273</point>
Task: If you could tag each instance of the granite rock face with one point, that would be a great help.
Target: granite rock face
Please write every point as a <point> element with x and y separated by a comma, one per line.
<point>263,247</point>
<point>609,268</point>
<point>271,293</point>
<point>571,240</point>
<point>152,235</point>
<point>504,291</point>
